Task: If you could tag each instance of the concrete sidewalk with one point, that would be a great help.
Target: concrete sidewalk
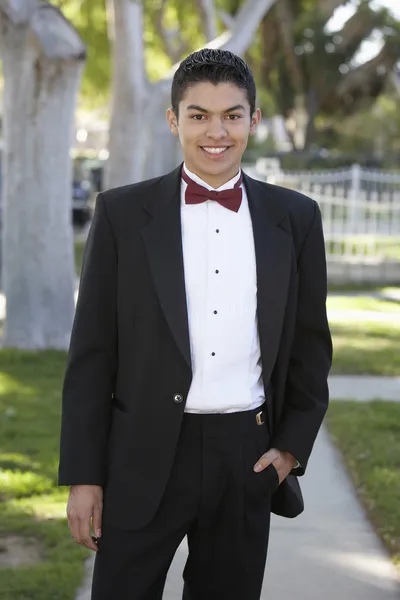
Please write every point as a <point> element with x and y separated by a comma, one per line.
<point>329,552</point>
<point>364,388</point>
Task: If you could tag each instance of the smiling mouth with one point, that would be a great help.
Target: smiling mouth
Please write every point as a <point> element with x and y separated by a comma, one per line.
<point>215,150</point>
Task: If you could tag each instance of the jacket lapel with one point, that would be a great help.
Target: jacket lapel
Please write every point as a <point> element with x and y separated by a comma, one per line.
<point>163,242</point>
<point>273,247</point>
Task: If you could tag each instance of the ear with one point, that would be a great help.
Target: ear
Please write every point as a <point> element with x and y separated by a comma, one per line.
<point>172,121</point>
<point>255,119</point>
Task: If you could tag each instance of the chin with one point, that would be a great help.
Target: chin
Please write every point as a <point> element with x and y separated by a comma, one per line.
<point>218,167</point>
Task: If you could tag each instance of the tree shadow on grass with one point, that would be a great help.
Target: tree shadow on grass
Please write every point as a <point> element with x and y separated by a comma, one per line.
<point>30,413</point>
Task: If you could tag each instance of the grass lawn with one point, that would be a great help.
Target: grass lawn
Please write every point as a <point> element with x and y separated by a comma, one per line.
<point>366,347</point>
<point>368,436</point>
<point>362,303</point>
<point>31,505</point>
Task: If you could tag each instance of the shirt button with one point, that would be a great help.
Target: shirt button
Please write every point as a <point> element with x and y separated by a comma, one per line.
<point>178,398</point>
<point>212,353</point>
<point>215,312</point>
<point>217,230</point>
<point>217,271</point>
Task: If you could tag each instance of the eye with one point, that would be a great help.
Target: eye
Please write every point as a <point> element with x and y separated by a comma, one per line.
<point>197,117</point>
<point>234,117</point>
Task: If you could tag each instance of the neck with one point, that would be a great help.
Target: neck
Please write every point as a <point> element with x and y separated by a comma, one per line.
<point>215,181</point>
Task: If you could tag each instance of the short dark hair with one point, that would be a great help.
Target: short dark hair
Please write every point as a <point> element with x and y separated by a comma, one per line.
<point>215,66</point>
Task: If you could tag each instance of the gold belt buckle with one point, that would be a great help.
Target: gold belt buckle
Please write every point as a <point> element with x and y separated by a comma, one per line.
<point>259,418</point>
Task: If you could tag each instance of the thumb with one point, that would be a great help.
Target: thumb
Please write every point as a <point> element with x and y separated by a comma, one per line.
<point>272,455</point>
<point>96,521</point>
<point>266,459</point>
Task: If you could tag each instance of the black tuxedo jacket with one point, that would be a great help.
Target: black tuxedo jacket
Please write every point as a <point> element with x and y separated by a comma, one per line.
<point>129,366</point>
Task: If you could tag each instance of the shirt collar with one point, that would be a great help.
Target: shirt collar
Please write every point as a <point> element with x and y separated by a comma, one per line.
<point>226,186</point>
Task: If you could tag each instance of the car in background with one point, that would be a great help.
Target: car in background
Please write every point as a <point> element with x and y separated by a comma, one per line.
<point>83,193</point>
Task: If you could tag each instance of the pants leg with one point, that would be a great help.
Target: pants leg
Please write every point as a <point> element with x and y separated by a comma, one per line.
<point>132,565</point>
<point>229,540</point>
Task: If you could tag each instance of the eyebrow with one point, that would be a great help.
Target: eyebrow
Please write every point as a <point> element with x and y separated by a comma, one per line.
<point>205,111</point>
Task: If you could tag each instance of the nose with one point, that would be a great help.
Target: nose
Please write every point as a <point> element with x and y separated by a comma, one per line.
<point>216,129</point>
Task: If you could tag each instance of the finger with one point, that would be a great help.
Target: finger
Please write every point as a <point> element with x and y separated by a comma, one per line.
<point>266,459</point>
<point>96,520</point>
<point>85,538</point>
<point>73,525</point>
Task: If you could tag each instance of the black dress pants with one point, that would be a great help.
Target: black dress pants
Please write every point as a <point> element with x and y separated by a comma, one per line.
<point>215,498</point>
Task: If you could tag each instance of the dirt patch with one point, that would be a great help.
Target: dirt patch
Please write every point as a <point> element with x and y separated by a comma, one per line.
<point>17,551</point>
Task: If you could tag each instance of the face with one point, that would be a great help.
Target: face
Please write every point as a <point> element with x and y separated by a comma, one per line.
<point>213,127</point>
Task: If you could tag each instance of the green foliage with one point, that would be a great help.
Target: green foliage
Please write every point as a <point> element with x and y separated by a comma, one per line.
<point>368,436</point>
<point>375,130</point>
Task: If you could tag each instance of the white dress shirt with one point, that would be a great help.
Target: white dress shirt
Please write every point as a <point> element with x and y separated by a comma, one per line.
<point>221,291</point>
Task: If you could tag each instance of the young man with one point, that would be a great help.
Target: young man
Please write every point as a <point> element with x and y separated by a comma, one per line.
<point>197,372</point>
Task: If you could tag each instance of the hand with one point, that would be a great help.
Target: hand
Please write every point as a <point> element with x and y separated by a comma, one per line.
<point>283,462</point>
<point>85,503</point>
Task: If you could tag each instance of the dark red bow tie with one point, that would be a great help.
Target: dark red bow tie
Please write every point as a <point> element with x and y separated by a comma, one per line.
<point>196,193</point>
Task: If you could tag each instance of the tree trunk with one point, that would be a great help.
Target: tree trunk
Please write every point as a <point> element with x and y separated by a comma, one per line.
<point>42,64</point>
<point>129,94</point>
<point>208,17</point>
<point>139,136</point>
<point>312,110</point>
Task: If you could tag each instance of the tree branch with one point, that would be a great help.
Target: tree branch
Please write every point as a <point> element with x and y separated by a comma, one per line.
<point>59,39</point>
<point>358,28</point>
<point>369,79</point>
<point>56,35</point>
<point>236,40</point>
<point>169,36</point>
<point>326,8</point>
<point>227,19</point>
<point>247,21</point>
<point>19,12</point>
<point>209,18</point>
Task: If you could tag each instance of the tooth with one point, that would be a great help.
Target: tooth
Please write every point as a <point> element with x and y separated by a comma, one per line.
<point>215,150</point>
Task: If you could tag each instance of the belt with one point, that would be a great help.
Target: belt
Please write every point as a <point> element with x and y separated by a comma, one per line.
<point>260,417</point>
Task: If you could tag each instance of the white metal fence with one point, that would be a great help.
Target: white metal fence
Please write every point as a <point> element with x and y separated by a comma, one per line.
<point>361,216</point>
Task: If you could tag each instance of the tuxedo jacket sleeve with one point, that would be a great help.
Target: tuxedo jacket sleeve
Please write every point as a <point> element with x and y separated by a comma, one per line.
<point>92,361</point>
<point>306,386</point>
